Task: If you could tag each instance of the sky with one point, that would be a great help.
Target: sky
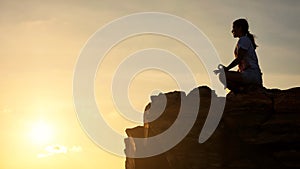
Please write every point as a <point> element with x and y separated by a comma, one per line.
<point>40,43</point>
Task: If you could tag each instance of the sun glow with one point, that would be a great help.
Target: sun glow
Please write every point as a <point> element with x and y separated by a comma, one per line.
<point>41,133</point>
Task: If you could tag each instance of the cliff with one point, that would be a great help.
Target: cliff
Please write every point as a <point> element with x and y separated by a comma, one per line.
<point>258,129</point>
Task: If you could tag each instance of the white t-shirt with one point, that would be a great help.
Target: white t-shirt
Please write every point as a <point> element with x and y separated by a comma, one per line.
<point>249,64</point>
<point>250,61</point>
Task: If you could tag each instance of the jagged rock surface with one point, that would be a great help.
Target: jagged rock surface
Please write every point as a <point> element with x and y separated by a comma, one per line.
<point>259,129</point>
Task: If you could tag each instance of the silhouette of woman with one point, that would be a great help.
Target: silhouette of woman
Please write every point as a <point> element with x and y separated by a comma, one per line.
<point>249,73</point>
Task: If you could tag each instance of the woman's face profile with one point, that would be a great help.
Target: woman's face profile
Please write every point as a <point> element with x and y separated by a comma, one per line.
<point>236,31</point>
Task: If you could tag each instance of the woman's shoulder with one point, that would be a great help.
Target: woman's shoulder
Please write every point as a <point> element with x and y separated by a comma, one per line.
<point>244,38</point>
<point>244,42</point>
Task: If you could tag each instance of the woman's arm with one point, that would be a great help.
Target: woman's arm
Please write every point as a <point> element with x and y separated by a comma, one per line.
<point>241,53</point>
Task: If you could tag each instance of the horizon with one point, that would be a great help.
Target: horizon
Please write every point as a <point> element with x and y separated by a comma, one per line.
<point>41,43</point>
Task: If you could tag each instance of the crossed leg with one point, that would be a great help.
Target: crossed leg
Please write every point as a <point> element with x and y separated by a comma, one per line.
<point>234,80</point>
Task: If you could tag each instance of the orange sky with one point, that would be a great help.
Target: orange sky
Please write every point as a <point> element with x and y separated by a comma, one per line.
<point>41,40</point>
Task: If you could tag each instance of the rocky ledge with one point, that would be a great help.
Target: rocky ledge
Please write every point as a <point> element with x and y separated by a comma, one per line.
<point>258,129</point>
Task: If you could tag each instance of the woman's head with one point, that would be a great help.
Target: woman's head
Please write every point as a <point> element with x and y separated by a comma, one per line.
<point>240,27</point>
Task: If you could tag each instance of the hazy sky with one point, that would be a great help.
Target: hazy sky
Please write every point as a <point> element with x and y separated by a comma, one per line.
<point>41,40</point>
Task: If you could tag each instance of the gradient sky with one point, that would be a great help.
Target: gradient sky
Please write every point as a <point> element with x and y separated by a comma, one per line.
<point>41,40</point>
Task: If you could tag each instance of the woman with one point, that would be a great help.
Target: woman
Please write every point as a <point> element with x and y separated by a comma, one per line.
<point>249,73</point>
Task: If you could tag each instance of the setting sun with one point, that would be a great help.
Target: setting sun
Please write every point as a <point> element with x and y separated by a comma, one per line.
<point>41,133</point>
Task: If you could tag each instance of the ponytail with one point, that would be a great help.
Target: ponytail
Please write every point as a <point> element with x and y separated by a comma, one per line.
<point>251,37</point>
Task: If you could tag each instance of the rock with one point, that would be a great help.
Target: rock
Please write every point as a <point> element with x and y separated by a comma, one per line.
<point>259,129</point>
<point>287,101</point>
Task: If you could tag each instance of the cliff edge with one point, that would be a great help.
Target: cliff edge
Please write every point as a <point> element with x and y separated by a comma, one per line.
<point>258,129</point>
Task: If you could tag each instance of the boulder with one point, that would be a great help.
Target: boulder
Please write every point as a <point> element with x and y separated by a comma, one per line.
<point>258,129</point>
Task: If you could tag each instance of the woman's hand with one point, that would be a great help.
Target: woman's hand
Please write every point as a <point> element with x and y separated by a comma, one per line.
<point>220,68</point>
<point>223,67</point>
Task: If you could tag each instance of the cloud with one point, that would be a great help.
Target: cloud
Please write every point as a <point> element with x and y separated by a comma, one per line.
<point>57,149</point>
